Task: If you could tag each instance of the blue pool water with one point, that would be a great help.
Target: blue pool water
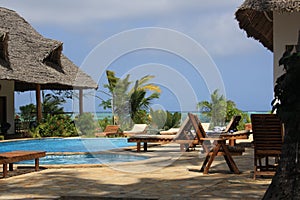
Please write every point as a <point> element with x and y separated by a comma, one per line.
<point>65,145</point>
<point>88,146</point>
<point>85,159</point>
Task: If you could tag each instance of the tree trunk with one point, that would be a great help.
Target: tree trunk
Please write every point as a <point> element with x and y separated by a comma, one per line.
<point>286,182</point>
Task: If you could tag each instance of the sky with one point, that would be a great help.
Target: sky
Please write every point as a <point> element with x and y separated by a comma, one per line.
<point>191,47</point>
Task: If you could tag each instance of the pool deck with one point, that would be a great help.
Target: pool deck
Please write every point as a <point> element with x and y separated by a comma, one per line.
<point>168,174</point>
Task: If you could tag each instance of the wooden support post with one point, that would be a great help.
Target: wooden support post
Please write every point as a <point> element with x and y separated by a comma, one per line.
<point>11,166</point>
<point>80,101</point>
<point>38,103</point>
<point>145,146</point>
<point>138,146</point>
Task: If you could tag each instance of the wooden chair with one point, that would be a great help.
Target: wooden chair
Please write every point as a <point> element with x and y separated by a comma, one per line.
<point>268,138</point>
<point>212,147</point>
<point>233,123</point>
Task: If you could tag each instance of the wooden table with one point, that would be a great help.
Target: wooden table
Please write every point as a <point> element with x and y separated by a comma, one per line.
<point>238,135</point>
<point>219,149</point>
<point>16,156</point>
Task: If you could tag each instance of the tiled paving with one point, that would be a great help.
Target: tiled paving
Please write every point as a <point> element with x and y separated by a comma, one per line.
<point>168,174</point>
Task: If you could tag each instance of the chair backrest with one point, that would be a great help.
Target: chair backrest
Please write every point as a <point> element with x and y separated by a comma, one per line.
<point>183,130</point>
<point>200,132</point>
<point>196,123</point>
<point>111,128</point>
<point>232,125</point>
<point>139,127</point>
<point>267,132</point>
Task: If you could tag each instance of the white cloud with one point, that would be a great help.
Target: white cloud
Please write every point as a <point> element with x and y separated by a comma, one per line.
<point>78,11</point>
<point>210,22</point>
<point>221,35</point>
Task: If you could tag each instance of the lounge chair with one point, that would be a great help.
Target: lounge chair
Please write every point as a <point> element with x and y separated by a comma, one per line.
<point>136,130</point>
<point>110,131</point>
<point>213,147</point>
<point>146,138</point>
<point>171,131</point>
<point>268,138</point>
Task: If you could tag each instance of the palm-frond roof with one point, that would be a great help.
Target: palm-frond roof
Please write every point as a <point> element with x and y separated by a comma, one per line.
<point>28,58</point>
<point>256,17</point>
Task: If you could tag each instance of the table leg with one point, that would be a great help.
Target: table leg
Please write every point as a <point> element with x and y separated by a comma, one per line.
<point>212,157</point>
<point>232,142</point>
<point>231,164</point>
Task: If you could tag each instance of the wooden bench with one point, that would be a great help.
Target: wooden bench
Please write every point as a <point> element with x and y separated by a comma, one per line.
<point>16,156</point>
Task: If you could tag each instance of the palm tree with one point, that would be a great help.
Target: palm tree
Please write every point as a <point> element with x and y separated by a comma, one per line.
<point>140,104</point>
<point>220,110</point>
<point>51,104</point>
<point>129,103</point>
<point>214,110</point>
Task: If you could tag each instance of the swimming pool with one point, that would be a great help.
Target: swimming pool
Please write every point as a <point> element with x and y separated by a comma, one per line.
<point>65,144</point>
<point>84,147</point>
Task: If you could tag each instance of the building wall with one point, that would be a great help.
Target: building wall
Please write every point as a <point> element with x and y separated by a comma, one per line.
<point>286,27</point>
<point>7,90</point>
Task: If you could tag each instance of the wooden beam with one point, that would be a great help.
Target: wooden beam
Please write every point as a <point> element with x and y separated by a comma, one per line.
<point>80,101</point>
<point>38,103</point>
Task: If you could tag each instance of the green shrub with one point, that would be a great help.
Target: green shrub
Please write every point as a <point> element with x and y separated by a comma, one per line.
<point>55,126</point>
<point>86,124</point>
<point>104,122</point>
<point>1,137</point>
<point>165,119</point>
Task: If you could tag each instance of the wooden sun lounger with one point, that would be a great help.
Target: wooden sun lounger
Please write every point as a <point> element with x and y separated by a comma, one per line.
<point>16,156</point>
<point>159,138</point>
<point>110,131</point>
<point>149,139</point>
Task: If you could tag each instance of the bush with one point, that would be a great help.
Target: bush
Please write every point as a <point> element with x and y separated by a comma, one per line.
<point>104,122</point>
<point>86,124</point>
<point>55,126</point>
<point>165,120</point>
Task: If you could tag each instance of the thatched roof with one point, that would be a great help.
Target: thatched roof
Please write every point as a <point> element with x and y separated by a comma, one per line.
<point>256,17</point>
<point>29,59</point>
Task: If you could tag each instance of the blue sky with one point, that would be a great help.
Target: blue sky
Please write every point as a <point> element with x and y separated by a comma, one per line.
<point>245,66</point>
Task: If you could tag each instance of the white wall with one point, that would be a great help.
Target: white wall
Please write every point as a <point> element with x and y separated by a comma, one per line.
<point>285,32</point>
<point>7,89</point>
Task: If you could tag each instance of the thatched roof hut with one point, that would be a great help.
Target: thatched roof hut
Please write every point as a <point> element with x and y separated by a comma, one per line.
<point>28,58</point>
<point>256,17</point>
